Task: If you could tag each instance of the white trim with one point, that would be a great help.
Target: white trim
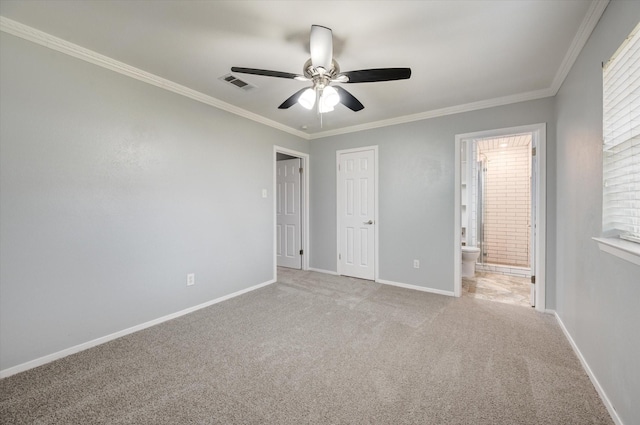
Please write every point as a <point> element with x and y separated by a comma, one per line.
<point>468,107</point>
<point>540,270</point>
<point>376,251</point>
<point>596,9</point>
<point>306,169</point>
<point>416,287</point>
<point>376,254</point>
<point>506,270</point>
<point>457,217</point>
<point>539,132</point>
<point>594,380</point>
<point>629,251</point>
<point>312,269</point>
<point>39,37</point>
<point>98,341</point>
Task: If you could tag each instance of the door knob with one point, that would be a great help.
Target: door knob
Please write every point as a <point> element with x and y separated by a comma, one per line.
<point>368,222</point>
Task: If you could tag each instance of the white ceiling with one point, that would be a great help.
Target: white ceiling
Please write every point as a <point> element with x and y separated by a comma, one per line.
<point>463,54</point>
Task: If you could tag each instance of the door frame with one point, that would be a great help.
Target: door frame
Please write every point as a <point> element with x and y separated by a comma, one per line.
<point>375,208</point>
<point>304,205</point>
<point>539,133</point>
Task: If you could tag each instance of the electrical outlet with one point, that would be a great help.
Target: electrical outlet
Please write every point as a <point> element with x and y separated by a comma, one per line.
<point>416,264</point>
<point>191,279</point>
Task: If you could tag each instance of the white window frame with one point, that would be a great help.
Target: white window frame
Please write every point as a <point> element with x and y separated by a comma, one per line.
<point>621,156</point>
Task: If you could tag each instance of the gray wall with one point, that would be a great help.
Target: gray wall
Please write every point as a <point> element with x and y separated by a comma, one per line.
<point>113,190</point>
<point>597,293</point>
<point>416,173</point>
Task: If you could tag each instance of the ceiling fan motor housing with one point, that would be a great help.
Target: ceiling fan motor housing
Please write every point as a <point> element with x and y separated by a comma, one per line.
<point>312,72</point>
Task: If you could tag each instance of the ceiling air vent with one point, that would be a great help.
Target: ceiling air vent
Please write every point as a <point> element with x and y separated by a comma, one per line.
<point>237,82</point>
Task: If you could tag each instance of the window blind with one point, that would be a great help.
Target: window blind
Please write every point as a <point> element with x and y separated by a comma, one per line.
<point>621,135</point>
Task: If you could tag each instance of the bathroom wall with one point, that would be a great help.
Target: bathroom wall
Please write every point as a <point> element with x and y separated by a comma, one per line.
<point>469,192</point>
<point>472,194</point>
<point>465,191</point>
<point>507,204</point>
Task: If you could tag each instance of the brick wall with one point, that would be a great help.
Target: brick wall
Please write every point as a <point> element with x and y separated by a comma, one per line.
<point>507,205</point>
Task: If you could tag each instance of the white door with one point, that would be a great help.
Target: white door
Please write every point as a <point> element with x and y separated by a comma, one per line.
<point>533,222</point>
<point>356,213</point>
<point>289,240</point>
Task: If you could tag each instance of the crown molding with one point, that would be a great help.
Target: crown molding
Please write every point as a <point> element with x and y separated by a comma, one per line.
<point>435,113</point>
<point>594,13</point>
<point>47,40</point>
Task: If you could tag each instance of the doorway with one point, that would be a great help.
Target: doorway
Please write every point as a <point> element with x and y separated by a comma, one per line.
<point>291,209</point>
<point>500,209</point>
<point>357,212</point>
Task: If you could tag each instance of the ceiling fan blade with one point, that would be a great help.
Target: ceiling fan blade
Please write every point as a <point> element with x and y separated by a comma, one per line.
<point>374,75</point>
<point>292,100</point>
<point>267,73</point>
<point>321,47</point>
<point>349,100</point>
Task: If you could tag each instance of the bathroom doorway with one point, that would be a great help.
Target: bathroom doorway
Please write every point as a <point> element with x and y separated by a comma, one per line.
<point>498,211</point>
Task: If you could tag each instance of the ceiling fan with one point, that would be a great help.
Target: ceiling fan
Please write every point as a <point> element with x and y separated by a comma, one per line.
<point>323,70</point>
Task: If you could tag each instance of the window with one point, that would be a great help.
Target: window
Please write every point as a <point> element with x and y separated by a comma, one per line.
<point>621,135</point>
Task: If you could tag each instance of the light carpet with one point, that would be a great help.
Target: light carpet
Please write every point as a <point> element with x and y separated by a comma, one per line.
<point>320,349</point>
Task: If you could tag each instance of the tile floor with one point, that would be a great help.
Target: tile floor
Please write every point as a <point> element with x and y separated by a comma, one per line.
<point>498,287</point>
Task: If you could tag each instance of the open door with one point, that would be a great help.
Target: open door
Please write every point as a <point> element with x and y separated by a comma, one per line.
<point>288,214</point>
<point>534,197</point>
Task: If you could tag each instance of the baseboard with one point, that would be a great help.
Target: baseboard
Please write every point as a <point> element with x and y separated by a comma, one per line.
<point>311,269</point>
<point>415,287</point>
<point>594,380</point>
<point>89,344</point>
<point>550,311</point>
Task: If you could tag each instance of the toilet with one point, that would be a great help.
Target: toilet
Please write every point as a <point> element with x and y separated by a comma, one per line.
<point>469,256</point>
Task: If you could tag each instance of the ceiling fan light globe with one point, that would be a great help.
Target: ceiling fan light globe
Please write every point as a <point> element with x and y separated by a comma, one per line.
<point>307,99</point>
<point>324,106</point>
<point>330,96</point>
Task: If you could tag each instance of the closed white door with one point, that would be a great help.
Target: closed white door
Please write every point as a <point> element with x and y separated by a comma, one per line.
<point>356,213</point>
<point>289,240</point>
